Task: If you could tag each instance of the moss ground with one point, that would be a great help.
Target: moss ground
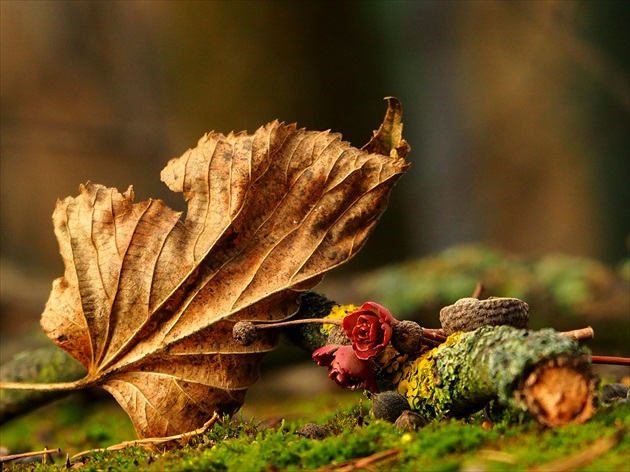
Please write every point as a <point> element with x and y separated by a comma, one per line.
<point>269,442</point>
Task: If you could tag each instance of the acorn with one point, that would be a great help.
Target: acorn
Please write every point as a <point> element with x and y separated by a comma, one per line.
<point>407,337</point>
<point>388,405</point>
<point>313,431</point>
<point>409,421</point>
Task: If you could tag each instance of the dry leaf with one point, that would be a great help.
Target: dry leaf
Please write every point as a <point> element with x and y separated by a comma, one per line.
<point>148,300</point>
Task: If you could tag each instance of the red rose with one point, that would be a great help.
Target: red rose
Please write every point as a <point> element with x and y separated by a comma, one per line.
<point>345,368</point>
<point>369,329</point>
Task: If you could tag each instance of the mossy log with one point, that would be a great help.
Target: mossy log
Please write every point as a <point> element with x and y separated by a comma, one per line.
<point>541,372</point>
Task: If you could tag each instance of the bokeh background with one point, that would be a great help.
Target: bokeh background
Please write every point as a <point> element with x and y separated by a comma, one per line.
<point>517,113</point>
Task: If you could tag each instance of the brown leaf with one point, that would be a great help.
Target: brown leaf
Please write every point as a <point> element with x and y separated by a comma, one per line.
<point>388,139</point>
<point>148,300</point>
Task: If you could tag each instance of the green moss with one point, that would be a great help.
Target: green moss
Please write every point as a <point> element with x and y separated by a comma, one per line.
<point>81,421</point>
<point>244,446</point>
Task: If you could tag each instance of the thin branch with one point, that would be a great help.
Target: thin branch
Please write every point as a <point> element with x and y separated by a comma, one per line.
<point>579,460</point>
<point>360,463</point>
<point>21,455</point>
<point>433,337</point>
<point>610,360</point>
<point>479,288</point>
<point>580,334</point>
<point>153,441</point>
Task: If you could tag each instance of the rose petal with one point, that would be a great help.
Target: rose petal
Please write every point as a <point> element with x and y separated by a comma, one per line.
<point>325,354</point>
<point>350,321</point>
<point>370,329</point>
<point>381,311</point>
<point>348,371</point>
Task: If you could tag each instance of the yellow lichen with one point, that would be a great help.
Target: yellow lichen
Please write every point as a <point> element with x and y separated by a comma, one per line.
<point>338,311</point>
<point>415,377</point>
<point>389,363</point>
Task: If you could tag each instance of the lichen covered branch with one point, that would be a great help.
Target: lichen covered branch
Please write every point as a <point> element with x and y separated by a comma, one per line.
<point>542,372</point>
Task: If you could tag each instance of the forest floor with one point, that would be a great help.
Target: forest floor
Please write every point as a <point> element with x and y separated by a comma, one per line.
<point>262,437</point>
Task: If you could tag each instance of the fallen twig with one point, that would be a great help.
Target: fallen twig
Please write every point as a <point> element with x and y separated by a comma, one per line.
<point>433,337</point>
<point>360,462</point>
<point>22,455</point>
<point>153,441</point>
<point>576,461</point>
<point>580,334</point>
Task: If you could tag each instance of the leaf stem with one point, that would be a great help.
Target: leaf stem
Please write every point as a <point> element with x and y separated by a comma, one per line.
<point>50,387</point>
<point>282,324</point>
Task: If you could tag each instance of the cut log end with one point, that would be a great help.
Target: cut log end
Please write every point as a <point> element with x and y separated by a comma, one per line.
<point>559,391</point>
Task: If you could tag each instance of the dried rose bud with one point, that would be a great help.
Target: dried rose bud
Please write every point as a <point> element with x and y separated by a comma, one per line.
<point>244,332</point>
<point>388,405</point>
<point>313,431</point>
<point>370,329</point>
<point>407,337</point>
<point>409,421</point>
<point>345,368</point>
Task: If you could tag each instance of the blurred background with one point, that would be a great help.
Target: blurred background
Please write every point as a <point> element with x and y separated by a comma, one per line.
<point>517,113</point>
